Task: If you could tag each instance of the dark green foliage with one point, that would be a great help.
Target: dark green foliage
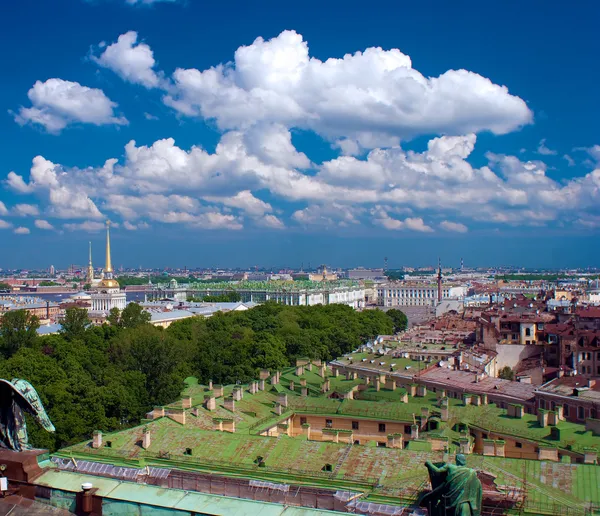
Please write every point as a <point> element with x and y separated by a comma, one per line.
<point>233,346</point>
<point>75,323</point>
<point>132,316</point>
<point>4,286</point>
<point>48,284</point>
<point>506,373</point>
<point>393,275</point>
<point>398,318</point>
<point>230,297</point>
<point>18,328</point>
<point>106,377</point>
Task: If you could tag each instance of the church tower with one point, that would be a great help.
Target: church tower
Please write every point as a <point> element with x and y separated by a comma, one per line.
<point>108,294</point>
<point>89,277</point>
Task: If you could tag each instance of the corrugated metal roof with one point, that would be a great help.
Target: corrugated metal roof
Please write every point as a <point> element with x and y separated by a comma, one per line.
<point>199,503</point>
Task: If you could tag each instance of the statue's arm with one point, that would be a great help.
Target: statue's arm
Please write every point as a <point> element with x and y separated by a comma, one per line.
<point>432,467</point>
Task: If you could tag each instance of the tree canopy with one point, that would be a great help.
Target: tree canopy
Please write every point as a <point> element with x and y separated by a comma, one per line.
<point>107,377</point>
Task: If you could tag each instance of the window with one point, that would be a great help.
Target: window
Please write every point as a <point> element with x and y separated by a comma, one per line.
<point>407,429</point>
<point>354,425</point>
<point>484,436</point>
<point>515,336</point>
<point>328,423</point>
<point>109,444</point>
<point>381,444</point>
<point>188,451</point>
<point>302,421</point>
<point>528,332</point>
<point>382,427</point>
<point>565,410</point>
<point>580,413</point>
<point>357,442</point>
<point>518,445</point>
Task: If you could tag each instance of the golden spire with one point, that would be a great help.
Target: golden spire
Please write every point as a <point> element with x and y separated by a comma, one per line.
<point>108,267</point>
<point>108,281</point>
<point>90,270</point>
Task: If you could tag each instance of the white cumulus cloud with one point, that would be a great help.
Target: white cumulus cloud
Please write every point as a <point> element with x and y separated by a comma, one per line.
<point>43,224</point>
<point>26,210</point>
<point>457,227</point>
<point>57,103</point>
<point>363,100</point>
<point>132,61</point>
<point>21,231</point>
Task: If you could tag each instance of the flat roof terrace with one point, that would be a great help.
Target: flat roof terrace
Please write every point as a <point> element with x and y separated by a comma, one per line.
<point>465,381</point>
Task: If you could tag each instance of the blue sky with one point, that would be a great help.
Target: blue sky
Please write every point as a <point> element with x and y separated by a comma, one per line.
<point>240,133</point>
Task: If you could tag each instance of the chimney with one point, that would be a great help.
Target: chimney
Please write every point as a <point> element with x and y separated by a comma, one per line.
<point>97,439</point>
<point>283,399</point>
<point>278,409</point>
<point>229,404</point>
<point>210,403</point>
<point>237,393</point>
<point>146,438</point>
<point>186,402</point>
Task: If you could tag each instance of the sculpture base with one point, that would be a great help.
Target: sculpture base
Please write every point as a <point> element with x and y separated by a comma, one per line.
<point>21,466</point>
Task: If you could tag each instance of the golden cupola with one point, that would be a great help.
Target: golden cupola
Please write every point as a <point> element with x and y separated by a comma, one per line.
<point>108,281</point>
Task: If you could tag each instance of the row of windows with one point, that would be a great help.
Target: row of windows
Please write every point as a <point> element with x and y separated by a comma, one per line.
<point>415,293</point>
<point>589,370</point>
<point>356,425</point>
<point>581,412</point>
<point>588,356</point>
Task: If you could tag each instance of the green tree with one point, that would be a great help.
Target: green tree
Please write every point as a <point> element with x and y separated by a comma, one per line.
<point>48,284</point>
<point>133,315</point>
<point>506,373</point>
<point>4,286</point>
<point>75,323</point>
<point>18,329</point>
<point>398,318</point>
<point>114,317</point>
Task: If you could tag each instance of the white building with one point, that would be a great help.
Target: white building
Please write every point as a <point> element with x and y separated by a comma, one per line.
<point>410,293</point>
<point>108,293</point>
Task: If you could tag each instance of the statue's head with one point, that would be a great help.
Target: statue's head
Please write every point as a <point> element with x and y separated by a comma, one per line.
<point>461,460</point>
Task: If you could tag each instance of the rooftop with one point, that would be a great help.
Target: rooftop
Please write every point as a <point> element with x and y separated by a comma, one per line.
<point>467,382</point>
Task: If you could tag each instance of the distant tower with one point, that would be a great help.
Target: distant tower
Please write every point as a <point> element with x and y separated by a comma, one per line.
<point>385,263</point>
<point>462,265</point>
<point>439,280</point>
<point>89,277</point>
<point>108,294</point>
<point>51,270</point>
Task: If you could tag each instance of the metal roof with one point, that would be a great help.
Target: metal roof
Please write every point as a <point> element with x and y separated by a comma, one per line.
<point>199,503</point>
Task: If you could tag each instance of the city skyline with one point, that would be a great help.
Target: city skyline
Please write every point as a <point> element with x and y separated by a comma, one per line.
<point>296,137</point>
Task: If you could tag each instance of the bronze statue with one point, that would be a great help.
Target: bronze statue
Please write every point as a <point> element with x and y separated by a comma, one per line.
<point>456,490</point>
<point>17,396</point>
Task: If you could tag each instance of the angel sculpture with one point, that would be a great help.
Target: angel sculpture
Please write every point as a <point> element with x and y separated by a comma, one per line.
<point>16,397</point>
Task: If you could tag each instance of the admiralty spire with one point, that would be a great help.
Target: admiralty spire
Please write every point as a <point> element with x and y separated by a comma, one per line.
<point>108,294</point>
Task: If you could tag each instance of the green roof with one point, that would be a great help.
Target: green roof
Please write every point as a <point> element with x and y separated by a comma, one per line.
<point>381,473</point>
